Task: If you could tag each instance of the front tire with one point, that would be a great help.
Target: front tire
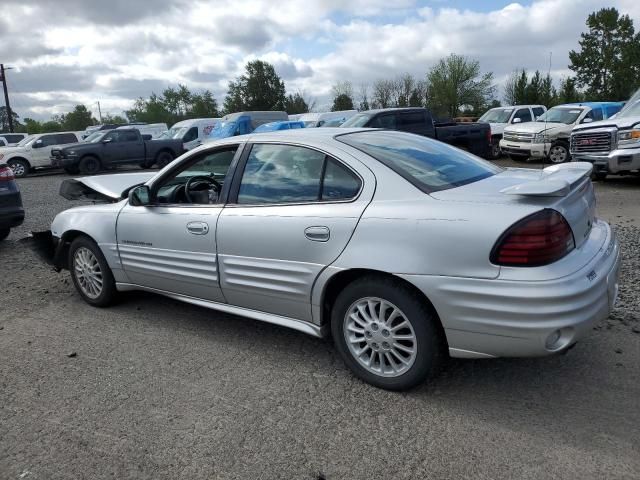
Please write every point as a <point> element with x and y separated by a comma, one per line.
<point>386,334</point>
<point>494,151</point>
<point>559,152</point>
<point>90,272</point>
<point>89,165</point>
<point>20,167</point>
<point>163,159</point>
<point>4,233</point>
<point>600,176</point>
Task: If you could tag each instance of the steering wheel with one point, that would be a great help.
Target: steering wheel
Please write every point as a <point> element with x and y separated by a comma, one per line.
<point>204,179</point>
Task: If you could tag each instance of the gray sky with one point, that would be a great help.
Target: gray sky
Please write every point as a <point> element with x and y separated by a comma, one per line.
<point>66,52</point>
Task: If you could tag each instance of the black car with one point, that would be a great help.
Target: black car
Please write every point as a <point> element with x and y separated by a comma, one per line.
<point>11,211</point>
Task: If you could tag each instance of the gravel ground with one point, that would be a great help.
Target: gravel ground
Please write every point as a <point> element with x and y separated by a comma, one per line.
<point>153,388</point>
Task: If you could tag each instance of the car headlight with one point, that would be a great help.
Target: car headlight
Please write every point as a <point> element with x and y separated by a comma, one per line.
<point>629,137</point>
<point>541,138</point>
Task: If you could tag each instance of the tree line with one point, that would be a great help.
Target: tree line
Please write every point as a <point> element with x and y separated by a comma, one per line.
<point>605,67</point>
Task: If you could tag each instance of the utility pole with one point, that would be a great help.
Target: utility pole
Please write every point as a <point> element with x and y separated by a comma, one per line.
<point>3,78</point>
<point>99,112</point>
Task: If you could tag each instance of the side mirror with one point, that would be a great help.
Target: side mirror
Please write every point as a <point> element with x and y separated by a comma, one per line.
<point>587,120</point>
<point>517,120</point>
<point>37,144</point>
<point>139,196</point>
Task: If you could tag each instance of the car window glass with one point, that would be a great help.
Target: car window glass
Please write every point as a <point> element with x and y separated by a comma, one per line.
<point>281,174</point>
<point>66,138</point>
<point>113,136</point>
<point>537,111</point>
<point>13,138</point>
<point>411,120</point>
<point>384,121</point>
<point>48,140</point>
<point>523,114</point>
<point>191,135</point>
<point>339,183</point>
<point>128,137</point>
<point>595,114</point>
<point>612,110</point>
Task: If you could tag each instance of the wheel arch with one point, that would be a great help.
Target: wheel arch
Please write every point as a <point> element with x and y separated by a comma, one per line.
<point>165,150</point>
<point>62,252</point>
<point>337,282</point>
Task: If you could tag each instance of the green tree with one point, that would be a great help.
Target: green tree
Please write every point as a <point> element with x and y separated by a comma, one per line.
<point>203,105</point>
<point>4,119</point>
<point>32,126</point>
<point>295,104</point>
<point>113,119</point>
<point>455,82</point>
<point>342,102</point>
<point>76,120</point>
<point>608,63</point>
<point>259,88</point>
<point>568,92</point>
<point>151,110</point>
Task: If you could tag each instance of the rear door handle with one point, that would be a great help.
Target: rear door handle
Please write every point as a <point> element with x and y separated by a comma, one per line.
<point>317,234</point>
<point>198,228</point>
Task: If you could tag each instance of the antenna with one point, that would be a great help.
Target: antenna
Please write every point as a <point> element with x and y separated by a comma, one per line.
<point>544,133</point>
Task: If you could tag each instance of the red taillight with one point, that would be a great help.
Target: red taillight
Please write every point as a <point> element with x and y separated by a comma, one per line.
<point>6,174</point>
<point>539,239</point>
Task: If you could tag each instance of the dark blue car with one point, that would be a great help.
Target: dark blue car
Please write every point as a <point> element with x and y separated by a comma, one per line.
<point>11,211</point>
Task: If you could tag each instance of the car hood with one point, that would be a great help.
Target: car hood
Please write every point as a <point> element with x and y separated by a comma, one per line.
<point>539,127</point>
<point>626,122</point>
<point>103,187</point>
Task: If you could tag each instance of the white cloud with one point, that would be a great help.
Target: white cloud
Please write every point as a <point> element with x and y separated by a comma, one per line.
<point>85,51</point>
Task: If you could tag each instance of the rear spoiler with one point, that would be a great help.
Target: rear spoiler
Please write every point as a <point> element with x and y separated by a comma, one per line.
<point>555,181</point>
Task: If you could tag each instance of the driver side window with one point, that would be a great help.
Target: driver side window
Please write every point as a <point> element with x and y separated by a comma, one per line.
<point>203,177</point>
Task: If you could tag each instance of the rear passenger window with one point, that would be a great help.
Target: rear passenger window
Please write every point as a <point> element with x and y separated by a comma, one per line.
<point>290,174</point>
<point>612,110</point>
<point>13,138</point>
<point>384,121</point>
<point>66,138</point>
<point>339,182</point>
<point>537,111</point>
<point>128,137</point>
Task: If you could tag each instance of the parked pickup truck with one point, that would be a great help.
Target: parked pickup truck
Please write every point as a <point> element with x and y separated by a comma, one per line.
<point>613,145</point>
<point>116,147</point>
<point>501,117</point>
<point>474,137</point>
<point>548,136</point>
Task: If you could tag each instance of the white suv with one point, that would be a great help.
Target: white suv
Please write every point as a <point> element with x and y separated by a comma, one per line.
<point>34,151</point>
<point>501,117</point>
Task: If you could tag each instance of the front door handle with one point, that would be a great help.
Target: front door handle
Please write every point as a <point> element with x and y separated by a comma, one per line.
<point>317,234</point>
<point>198,228</point>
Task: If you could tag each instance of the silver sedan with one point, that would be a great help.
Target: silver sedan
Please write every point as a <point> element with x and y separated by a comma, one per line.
<point>403,249</point>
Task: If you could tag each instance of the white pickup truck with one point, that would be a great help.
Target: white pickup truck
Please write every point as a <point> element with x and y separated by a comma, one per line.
<point>548,137</point>
<point>613,145</point>
<point>501,117</point>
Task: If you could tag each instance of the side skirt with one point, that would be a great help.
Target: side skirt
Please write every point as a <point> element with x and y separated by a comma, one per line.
<point>299,325</point>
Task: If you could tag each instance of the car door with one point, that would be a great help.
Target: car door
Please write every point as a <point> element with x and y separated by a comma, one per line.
<point>128,147</point>
<point>41,149</point>
<point>170,245</point>
<point>291,212</point>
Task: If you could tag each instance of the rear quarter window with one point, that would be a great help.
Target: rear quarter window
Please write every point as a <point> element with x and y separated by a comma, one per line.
<point>428,164</point>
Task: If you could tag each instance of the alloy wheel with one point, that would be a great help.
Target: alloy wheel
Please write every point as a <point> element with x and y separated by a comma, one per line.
<point>558,154</point>
<point>18,169</point>
<point>88,272</point>
<point>380,337</point>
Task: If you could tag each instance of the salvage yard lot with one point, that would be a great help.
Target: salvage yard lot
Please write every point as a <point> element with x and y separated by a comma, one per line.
<point>161,389</point>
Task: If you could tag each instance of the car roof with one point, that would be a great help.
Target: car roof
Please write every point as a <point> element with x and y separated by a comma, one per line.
<point>590,104</point>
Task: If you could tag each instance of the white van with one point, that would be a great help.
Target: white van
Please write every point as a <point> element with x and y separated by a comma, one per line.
<point>192,132</point>
<point>319,119</point>
<point>154,129</point>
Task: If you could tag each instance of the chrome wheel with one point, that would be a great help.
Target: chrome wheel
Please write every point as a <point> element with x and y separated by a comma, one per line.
<point>380,337</point>
<point>558,154</point>
<point>88,273</point>
<point>18,168</point>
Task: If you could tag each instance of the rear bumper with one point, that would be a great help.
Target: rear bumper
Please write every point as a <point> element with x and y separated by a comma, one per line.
<point>620,160</point>
<point>11,211</point>
<point>509,318</point>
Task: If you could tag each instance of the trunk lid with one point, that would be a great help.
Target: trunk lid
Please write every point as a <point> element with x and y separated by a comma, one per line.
<point>103,187</point>
<point>566,188</point>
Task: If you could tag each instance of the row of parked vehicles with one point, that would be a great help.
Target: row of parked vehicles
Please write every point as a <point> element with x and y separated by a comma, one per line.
<point>108,146</point>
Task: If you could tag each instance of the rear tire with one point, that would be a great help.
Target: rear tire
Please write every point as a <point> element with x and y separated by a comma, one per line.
<point>386,333</point>
<point>494,150</point>
<point>4,233</point>
<point>163,159</point>
<point>89,165</point>
<point>90,273</point>
<point>19,166</point>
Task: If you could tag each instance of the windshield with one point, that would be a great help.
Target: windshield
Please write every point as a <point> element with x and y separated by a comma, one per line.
<point>496,115</point>
<point>26,140</point>
<point>177,132</point>
<point>359,120</point>
<point>632,107</point>
<point>91,138</point>
<point>224,130</point>
<point>310,123</point>
<point>428,164</point>
<point>336,122</point>
<point>561,115</point>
